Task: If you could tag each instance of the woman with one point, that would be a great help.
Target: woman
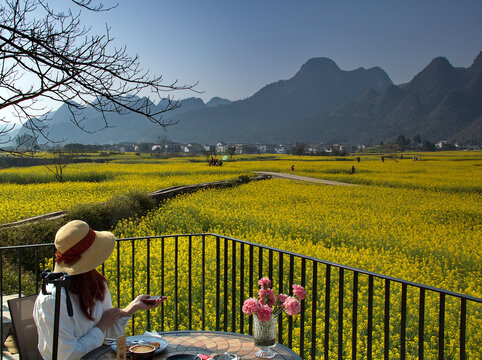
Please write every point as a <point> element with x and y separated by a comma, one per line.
<point>80,250</point>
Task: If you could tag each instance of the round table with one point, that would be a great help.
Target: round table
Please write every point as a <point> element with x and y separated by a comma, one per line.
<point>202,342</point>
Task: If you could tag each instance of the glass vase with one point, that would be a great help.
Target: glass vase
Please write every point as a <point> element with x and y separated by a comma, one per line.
<point>264,333</point>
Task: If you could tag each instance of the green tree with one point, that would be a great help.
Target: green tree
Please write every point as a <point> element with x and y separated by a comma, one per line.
<point>231,150</point>
<point>145,147</point>
<point>428,146</point>
<point>61,160</point>
<point>299,149</point>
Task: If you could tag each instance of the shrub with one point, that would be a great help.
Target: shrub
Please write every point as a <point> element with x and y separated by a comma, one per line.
<point>244,179</point>
<point>101,216</point>
<point>105,215</point>
<point>10,279</point>
<point>39,232</point>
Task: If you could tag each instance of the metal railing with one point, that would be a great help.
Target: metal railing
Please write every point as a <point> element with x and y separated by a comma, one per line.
<point>348,313</point>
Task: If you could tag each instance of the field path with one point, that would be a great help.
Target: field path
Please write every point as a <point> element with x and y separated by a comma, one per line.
<point>303,178</point>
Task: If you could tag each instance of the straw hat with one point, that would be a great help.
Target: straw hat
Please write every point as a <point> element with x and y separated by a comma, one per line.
<point>81,249</point>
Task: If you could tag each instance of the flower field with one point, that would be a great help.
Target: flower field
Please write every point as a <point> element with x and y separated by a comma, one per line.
<point>29,192</point>
<point>415,220</point>
<point>427,231</point>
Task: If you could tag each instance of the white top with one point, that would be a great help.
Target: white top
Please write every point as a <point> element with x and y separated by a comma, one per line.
<point>77,334</point>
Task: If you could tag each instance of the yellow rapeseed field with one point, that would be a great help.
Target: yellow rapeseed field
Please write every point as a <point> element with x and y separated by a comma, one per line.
<point>411,219</point>
<point>417,220</point>
<point>21,201</point>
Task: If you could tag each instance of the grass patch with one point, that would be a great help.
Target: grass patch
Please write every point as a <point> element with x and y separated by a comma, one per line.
<point>38,178</point>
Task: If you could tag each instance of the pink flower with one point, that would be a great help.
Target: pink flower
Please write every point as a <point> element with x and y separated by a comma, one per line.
<point>264,282</point>
<point>268,304</point>
<point>261,296</point>
<point>299,291</point>
<point>266,297</point>
<point>269,295</point>
<point>250,306</point>
<point>281,298</point>
<point>264,313</point>
<point>292,306</point>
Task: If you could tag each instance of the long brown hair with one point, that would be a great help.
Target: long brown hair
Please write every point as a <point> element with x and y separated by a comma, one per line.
<point>89,287</point>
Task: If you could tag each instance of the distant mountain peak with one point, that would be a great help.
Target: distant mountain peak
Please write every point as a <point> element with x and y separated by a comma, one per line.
<point>215,101</point>
<point>147,101</point>
<point>377,70</point>
<point>318,65</point>
<point>321,101</point>
<point>440,61</point>
<point>438,74</point>
<point>439,66</point>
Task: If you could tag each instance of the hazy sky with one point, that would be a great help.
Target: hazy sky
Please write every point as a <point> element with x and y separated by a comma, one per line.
<point>233,48</point>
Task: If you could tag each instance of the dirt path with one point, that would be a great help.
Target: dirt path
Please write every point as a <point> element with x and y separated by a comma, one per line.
<point>303,178</point>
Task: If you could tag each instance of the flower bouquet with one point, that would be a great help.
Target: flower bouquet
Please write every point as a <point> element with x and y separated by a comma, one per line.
<point>265,310</point>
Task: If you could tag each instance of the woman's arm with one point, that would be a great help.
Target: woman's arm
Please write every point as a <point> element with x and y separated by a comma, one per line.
<point>137,304</point>
<point>117,328</point>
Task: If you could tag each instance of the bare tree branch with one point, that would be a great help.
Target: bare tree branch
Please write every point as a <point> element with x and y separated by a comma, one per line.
<point>65,64</point>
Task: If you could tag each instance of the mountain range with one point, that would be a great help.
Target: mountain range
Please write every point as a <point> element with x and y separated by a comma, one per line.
<point>320,103</point>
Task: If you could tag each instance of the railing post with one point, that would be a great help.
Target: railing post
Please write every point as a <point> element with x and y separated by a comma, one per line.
<point>203,281</point>
<point>441,327</point>
<point>118,273</point>
<point>218,280</point>
<point>176,281</point>
<point>386,321</point>
<point>190,280</point>
<point>260,263</point>
<point>162,280</point>
<point>403,323</point>
<point>302,315</point>
<point>251,282</point>
<point>133,276</point>
<point>313,309</point>
<point>354,324</point>
<point>148,265</point>
<point>370,317</point>
<point>327,312</point>
<point>225,287</point>
<point>463,319</point>
<point>341,284</point>
<point>270,264</point>
<point>37,275</point>
<point>421,323</point>
<point>280,289</point>
<point>241,287</point>
<point>290,286</point>
<point>233,286</point>
<point>19,272</point>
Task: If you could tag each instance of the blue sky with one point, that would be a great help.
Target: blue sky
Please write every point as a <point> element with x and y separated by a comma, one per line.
<point>233,48</point>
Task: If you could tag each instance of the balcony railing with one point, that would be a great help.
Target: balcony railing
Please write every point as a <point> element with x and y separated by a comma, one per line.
<point>348,313</point>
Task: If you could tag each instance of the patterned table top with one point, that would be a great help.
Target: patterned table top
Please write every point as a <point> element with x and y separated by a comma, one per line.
<point>203,342</point>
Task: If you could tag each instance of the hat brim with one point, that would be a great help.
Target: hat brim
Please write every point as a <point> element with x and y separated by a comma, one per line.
<point>91,258</point>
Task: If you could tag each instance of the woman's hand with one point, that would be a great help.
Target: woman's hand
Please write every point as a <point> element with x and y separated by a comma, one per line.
<point>138,304</point>
<point>109,317</point>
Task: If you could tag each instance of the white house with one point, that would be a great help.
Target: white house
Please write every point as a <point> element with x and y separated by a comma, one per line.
<point>221,148</point>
